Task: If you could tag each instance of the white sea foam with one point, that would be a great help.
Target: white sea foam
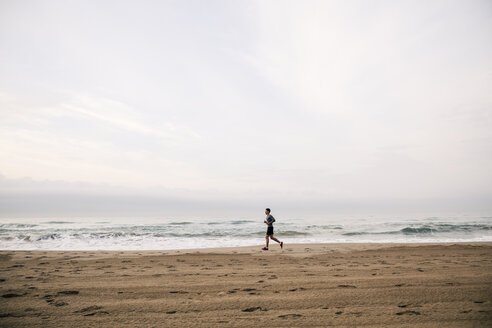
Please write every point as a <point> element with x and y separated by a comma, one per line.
<point>165,233</point>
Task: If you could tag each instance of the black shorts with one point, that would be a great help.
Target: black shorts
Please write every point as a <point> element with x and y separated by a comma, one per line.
<point>269,231</point>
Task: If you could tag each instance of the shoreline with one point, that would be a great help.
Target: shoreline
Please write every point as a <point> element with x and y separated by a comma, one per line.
<point>293,248</point>
<point>332,284</point>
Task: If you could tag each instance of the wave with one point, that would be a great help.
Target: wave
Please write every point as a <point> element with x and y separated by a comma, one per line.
<point>48,236</point>
<point>410,230</point>
<point>214,222</point>
<point>8,226</point>
<point>241,221</point>
<point>355,233</point>
<point>139,234</point>
<point>426,229</point>
<point>294,233</point>
<point>173,234</point>
<point>443,228</point>
<point>325,227</point>
<point>288,233</point>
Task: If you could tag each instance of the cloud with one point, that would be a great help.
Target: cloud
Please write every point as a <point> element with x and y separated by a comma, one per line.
<point>64,142</point>
<point>122,116</point>
<point>306,101</point>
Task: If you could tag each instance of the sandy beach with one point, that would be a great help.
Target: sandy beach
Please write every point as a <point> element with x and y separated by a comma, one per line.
<point>343,285</point>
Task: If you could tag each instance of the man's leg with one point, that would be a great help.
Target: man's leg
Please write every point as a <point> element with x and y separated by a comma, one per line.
<point>278,241</point>
<point>266,237</point>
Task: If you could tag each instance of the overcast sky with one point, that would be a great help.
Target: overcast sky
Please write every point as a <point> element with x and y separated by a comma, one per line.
<point>264,102</point>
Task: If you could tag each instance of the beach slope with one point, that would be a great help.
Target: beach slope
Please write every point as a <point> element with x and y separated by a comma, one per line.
<point>371,285</point>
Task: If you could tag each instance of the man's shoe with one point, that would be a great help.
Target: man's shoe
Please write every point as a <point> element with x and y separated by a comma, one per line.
<point>281,244</point>
<point>264,249</point>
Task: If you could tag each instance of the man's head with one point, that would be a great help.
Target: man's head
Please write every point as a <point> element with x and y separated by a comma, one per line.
<point>267,211</point>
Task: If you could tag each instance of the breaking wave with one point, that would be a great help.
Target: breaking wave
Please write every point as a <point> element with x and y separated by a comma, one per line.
<point>104,234</point>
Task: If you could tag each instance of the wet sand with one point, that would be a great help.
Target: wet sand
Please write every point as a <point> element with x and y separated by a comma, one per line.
<point>343,285</point>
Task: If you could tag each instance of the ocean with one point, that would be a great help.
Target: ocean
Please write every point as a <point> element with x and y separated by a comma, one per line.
<point>158,233</point>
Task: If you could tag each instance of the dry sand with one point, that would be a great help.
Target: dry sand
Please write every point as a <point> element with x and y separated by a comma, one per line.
<point>372,285</point>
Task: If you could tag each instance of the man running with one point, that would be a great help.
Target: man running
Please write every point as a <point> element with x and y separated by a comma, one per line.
<point>269,235</point>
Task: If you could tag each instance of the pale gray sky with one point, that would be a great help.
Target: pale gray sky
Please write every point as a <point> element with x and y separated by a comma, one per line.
<point>246,102</point>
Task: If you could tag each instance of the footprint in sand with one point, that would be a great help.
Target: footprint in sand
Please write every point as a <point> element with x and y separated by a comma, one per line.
<point>16,266</point>
<point>10,295</point>
<point>49,299</point>
<point>6,315</point>
<point>94,313</point>
<point>254,308</point>
<point>410,312</point>
<point>89,309</point>
<point>291,315</point>
<point>68,292</point>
